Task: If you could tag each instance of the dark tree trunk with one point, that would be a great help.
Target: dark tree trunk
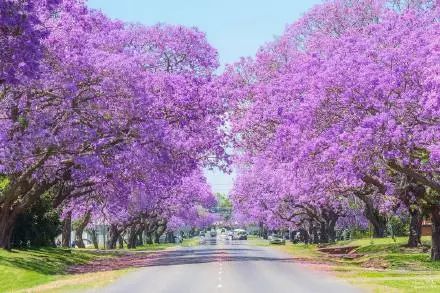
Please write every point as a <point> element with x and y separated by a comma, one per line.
<point>314,233</point>
<point>139,235</point>
<point>305,236</point>
<point>331,230</point>
<point>292,236</point>
<point>149,237</point>
<point>67,230</point>
<point>415,227</point>
<point>156,237</point>
<point>170,237</point>
<point>120,242</point>
<point>328,226</point>
<point>378,221</point>
<point>159,231</point>
<point>265,233</point>
<point>113,236</point>
<point>323,233</point>
<point>11,207</point>
<point>435,218</point>
<point>379,229</point>
<point>80,229</point>
<point>132,238</point>
<point>94,238</point>
<point>7,223</point>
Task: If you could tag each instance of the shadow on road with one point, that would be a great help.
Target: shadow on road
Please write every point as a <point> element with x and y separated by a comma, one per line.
<point>202,254</point>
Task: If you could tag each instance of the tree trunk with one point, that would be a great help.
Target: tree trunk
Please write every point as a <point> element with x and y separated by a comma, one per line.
<point>435,218</point>
<point>67,230</point>
<point>323,233</point>
<point>121,242</point>
<point>6,228</point>
<point>378,221</point>
<point>80,229</point>
<point>331,230</point>
<point>304,236</point>
<point>330,218</point>
<point>113,236</point>
<point>94,238</point>
<point>415,227</point>
<point>159,231</point>
<point>156,237</point>
<point>149,237</point>
<point>170,237</point>
<point>132,237</point>
<point>314,233</point>
<point>139,235</point>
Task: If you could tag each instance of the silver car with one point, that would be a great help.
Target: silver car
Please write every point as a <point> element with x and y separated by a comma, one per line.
<point>276,239</point>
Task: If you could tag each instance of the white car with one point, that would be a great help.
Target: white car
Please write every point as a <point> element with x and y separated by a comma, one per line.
<point>276,239</point>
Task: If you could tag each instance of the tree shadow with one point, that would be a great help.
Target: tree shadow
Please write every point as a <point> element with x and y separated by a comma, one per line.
<point>177,257</point>
<point>45,261</point>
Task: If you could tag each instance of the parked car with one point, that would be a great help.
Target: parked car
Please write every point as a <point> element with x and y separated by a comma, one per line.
<point>276,239</point>
<point>213,233</point>
<point>202,234</point>
<point>239,234</point>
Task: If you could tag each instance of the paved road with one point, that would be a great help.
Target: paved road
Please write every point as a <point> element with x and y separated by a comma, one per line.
<point>225,266</point>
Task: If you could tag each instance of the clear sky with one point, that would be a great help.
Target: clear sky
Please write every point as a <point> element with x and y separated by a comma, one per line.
<point>235,28</point>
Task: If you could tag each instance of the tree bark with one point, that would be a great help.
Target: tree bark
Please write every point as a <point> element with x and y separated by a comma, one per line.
<point>331,230</point>
<point>373,215</point>
<point>132,238</point>
<point>415,227</point>
<point>435,218</point>
<point>323,233</point>
<point>67,230</point>
<point>80,229</point>
<point>156,237</point>
<point>159,231</point>
<point>313,232</point>
<point>149,237</point>
<point>113,236</point>
<point>304,235</point>
<point>94,238</point>
<point>121,242</point>
<point>11,207</point>
<point>7,224</point>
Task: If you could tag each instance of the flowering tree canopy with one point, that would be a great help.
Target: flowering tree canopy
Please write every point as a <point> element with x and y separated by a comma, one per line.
<point>346,102</point>
<point>117,111</point>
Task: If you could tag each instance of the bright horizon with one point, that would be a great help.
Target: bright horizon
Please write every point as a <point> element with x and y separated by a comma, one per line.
<point>235,29</point>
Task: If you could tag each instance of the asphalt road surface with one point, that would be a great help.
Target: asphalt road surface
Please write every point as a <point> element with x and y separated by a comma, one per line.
<point>226,266</point>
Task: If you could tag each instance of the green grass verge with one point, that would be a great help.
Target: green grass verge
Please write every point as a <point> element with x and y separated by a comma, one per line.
<point>190,242</point>
<point>44,270</point>
<point>387,265</point>
<point>27,268</point>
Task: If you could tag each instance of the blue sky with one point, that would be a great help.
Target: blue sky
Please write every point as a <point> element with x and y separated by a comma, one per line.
<point>235,28</point>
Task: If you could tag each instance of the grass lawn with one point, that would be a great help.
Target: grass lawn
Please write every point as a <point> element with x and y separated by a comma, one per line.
<point>27,268</point>
<point>43,270</point>
<point>386,265</point>
<point>190,242</point>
